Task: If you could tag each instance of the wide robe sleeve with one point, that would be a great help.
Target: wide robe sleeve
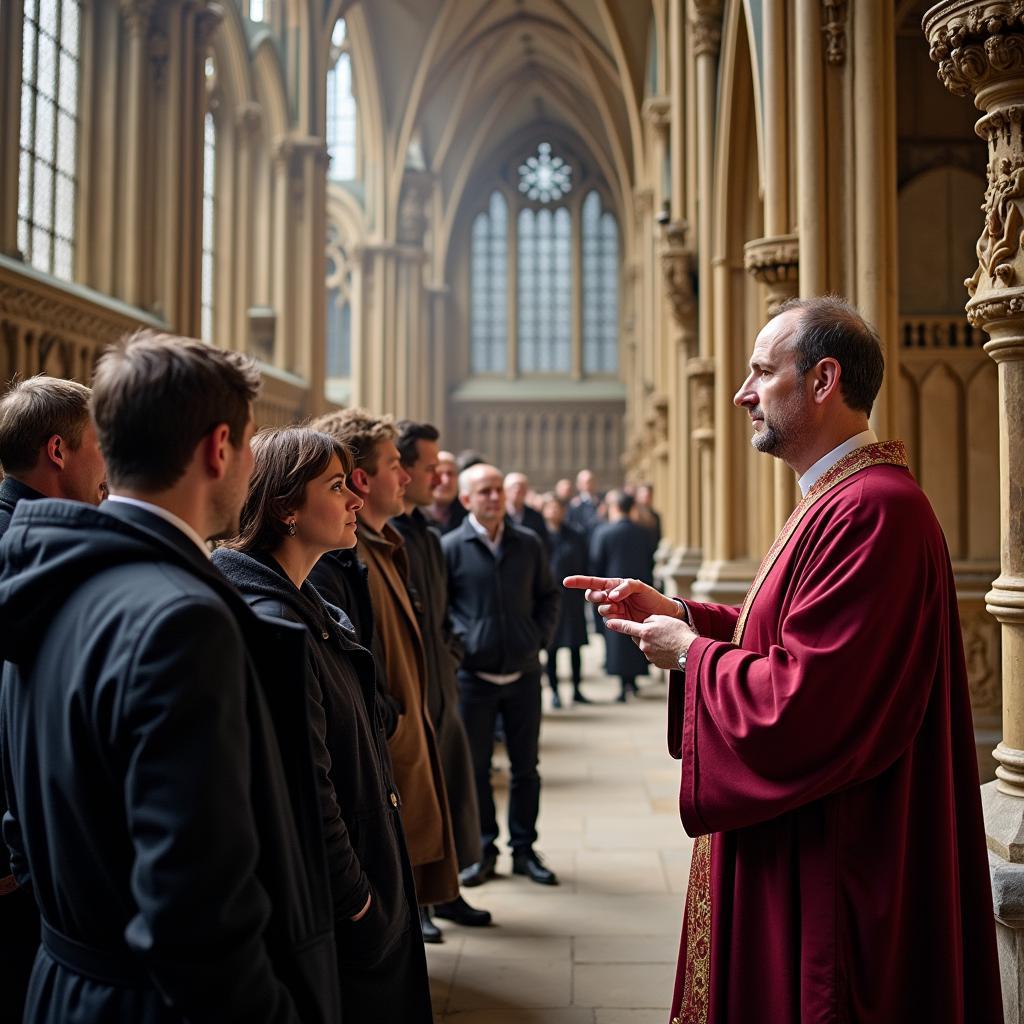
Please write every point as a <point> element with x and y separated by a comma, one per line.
<point>840,695</point>
<point>201,912</point>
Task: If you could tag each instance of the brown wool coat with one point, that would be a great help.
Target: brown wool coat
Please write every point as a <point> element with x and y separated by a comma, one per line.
<point>425,814</point>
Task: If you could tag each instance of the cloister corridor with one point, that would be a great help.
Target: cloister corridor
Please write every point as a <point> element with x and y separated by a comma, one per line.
<point>600,948</point>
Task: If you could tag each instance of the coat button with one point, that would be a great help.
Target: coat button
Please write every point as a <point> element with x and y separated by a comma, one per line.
<point>326,635</point>
<point>394,800</point>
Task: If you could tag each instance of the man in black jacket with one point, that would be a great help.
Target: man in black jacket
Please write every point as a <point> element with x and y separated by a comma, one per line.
<point>48,449</point>
<point>162,788</point>
<point>428,590</point>
<point>517,487</point>
<point>504,607</point>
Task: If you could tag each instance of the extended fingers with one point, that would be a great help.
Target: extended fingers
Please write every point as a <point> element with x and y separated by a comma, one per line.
<point>590,582</point>
<point>626,627</point>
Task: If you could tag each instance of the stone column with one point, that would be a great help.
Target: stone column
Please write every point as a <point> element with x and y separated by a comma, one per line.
<point>811,200</point>
<point>135,91</point>
<point>411,384</point>
<point>979,48</point>
<point>10,122</point>
<point>706,36</point>
<point>775,263</point>
<point>678,264</point>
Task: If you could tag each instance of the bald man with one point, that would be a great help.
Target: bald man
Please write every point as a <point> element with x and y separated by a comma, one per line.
<point>504,607</point>
<point>517,487</point>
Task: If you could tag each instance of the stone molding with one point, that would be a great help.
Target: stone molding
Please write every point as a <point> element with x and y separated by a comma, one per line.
<point>657,111</point>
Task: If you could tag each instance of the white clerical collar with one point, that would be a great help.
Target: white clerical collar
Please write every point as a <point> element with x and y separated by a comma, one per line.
<point>481,531</point>
<point>170,517</point>
<point>826,462</point>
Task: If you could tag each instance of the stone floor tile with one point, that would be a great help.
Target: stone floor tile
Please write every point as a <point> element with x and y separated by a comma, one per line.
<point>499,984</point>
<point>625,949</point>
<point>630,986</point>
<point>620,1016</point>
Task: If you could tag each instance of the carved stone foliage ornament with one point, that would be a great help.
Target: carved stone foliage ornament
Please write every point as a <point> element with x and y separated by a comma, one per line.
<point>706,25</point>
<point>678,264</point>
<point>775,262</point>
<point>981,653</point>
<point>834,29</point>
<point>979,49</point>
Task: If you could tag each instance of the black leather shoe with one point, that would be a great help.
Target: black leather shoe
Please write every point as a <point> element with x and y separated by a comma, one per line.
<point>579,698</point>
<point>530,864</point>
<point>459,911</point>
<point>431,933</point>
<point>556,701</point>
<point>478,873</point>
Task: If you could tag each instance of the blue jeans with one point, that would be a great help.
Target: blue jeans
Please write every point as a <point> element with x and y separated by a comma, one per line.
<point>519,706</point>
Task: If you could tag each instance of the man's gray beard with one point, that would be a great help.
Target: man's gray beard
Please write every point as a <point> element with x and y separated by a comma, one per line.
<point>767,440</point>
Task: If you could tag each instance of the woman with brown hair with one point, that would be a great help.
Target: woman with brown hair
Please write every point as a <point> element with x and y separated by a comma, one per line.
<point>298,508</point>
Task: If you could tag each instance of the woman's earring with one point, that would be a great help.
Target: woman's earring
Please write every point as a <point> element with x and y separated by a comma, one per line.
<point>291,528</point>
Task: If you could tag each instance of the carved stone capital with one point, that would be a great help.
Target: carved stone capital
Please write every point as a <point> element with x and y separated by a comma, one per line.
<point>643,203</point>
<point>679,266</point>
<point>701,373</point>
<point>706,25</point>
<point>657,110</point>
<point>136,15</point>
<point>412,207</point>
<point>248,118</point>
<point>775,263</point>
<point>208,18</point>
<point>975,42</point>
<point>833,16</point>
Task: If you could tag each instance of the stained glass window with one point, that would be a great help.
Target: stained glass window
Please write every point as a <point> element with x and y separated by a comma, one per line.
<point>544,177</point>
<point>489,288</point>
<point>342,113</point>
<point>48,145</point>
<point>600,288</point>
<point>209,226</point>
<point>339,308</point>
<point>545,290</point>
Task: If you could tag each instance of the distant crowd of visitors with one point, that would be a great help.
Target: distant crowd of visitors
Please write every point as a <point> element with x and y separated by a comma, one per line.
<point>242,785</point>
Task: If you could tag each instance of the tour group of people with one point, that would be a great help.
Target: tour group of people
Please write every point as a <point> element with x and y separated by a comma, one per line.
<point>281,751</point>
<point>242,787</point>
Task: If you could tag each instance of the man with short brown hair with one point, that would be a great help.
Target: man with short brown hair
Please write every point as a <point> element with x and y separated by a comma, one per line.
<point>48,445</point>
<point>379,479</point>
<point>48,449</point>
<point>159,776</point>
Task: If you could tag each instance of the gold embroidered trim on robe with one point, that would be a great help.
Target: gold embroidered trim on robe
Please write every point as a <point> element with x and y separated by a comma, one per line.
<point>697,973</point>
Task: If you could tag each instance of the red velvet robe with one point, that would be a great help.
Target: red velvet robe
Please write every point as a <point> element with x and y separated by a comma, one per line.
<point>828,767</point>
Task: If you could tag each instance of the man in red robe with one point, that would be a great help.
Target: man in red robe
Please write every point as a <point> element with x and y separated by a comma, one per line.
<point>839,875</point>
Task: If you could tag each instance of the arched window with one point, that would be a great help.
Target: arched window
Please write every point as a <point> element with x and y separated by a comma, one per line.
<point>342,114</point>
<point>339,317</point>
<point>209,226</point>
<point>489,288</point>
<point>558,246</point>
<point>545,290</point>
<point>600,288</point>
<point>48,145</point>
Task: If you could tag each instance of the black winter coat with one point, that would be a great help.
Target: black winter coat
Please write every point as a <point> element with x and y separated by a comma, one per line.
<point>533,520</point>
<point>358,797</point>
<point>11,492</point>
<point>568,550</point>
<point>428,590</point>
<point>623,549</point>
<point>504,608</point>
<point>163,796</point>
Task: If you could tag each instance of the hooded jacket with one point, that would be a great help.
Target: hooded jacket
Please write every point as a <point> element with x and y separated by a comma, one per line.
<point>162,788</point>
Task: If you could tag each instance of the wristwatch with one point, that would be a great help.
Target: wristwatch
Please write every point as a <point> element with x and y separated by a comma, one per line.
<point>681,661</point>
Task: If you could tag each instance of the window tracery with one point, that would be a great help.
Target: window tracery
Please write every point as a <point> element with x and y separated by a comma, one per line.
<point>342,110</point>
<point>557,254</point>
<point>208,263</point>
<point>48,142</point>
<point>339,314</point>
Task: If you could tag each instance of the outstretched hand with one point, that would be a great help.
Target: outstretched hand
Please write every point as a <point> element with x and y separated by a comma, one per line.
<point>618,598</point>
<point>661,639</point>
